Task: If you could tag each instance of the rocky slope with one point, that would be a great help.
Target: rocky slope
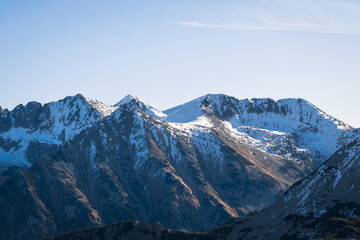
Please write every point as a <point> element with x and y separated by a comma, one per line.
<point>190,167</point>
<point>325,205</point>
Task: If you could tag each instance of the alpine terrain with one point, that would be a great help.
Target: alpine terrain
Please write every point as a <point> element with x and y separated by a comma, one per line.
<point>79,163</point>
<point>324,205</point>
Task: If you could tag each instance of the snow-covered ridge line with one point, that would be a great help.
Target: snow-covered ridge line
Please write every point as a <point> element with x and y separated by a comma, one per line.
<point>303,126</point>
<point>103,108</point>
<point>265,124</point>
<point>191,110</point>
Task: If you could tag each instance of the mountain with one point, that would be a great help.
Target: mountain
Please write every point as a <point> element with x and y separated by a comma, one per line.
<point>189,167</point>
<point>286,122</point>
<point>34,130</point>
<point>142,105</point>
<point>324,205</point>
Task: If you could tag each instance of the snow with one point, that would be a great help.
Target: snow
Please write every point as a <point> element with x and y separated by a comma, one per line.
<point>272,142</point>
<point>70,116</point>
<point>16,155</point>
<point>104,109</point>
<point>185,113</point>
<point>333,177</point>
<point>338,177</point>
<point>209,146</point>
<point>13,158</point>
<point>201,122</point>
<point>126,99</point>
<point>92,155</point>
<point>142,105</point>
<point>298,127</point>
<point>139,141</point>
<point>282,121</point>
<point>27,135</point>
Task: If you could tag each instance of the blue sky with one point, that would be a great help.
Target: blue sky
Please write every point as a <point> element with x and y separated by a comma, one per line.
<point>169,52</point>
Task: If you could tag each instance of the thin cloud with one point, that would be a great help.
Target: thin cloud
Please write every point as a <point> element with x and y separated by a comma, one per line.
<point>272,26</point>
<point>331,17</point>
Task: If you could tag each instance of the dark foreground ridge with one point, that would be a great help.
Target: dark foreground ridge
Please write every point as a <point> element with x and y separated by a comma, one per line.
<point>329,228</point>
<point>131,230</point>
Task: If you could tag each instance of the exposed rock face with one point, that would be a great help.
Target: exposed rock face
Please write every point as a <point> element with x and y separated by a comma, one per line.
<point>190,167</point>
<point>325,205</point>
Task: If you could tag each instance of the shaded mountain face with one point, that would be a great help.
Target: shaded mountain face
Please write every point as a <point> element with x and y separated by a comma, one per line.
<point>190,167</point>
<point>324,205</point>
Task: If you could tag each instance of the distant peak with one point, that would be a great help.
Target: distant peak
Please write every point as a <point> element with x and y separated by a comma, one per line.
<point>128,98</point>
<point>19,106</point>
<point>216,96</point>
<point>82,100</point>
<point>298,100</point>
<point>142,105</point>
<point>101,107</point>
<point>79,95</point>
<point>262,100</point>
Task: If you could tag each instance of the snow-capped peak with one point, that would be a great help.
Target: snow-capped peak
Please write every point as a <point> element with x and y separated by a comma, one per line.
<point>227,107</point>
<point>292,105</point>
<point>101,107</point>
<point>186,112</point>
<point>128,98</point>
<point>142,105</point>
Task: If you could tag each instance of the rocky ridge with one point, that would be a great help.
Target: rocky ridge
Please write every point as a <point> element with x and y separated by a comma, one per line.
<point>29,132</point>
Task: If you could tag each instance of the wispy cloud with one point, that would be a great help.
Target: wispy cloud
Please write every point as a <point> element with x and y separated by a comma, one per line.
<point>331,16</point>
<point>273,26</point>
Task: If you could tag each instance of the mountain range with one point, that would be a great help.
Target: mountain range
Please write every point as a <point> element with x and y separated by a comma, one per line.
<point>79,163</point>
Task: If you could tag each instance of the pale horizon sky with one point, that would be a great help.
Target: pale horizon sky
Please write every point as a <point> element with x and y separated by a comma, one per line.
<point>170,52</point>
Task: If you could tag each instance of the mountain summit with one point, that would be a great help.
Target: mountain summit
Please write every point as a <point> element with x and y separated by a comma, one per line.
<point>142,105</point>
